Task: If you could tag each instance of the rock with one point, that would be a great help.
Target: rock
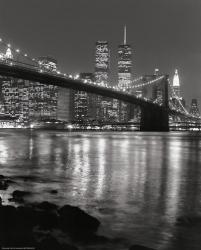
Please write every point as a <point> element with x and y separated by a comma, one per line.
<point>95,239</point>
<point>8,218</point>
<point>28,217</point>
<point>2,177</point>
<point>51,243</point>
<point>31,217</point>
<point>11,231</point>
<point>46,206</point>
<point>139,247</point>
<point>19,226</point>
<point>47,220</point>
<point>3,184</point>
<point>18,196</point>
<point>77,222</point>
<point>0,201</point>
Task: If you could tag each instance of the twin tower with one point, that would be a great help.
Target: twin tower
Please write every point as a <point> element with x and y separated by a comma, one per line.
<point>102,63</point>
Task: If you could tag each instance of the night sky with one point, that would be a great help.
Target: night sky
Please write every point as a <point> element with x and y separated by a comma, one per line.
<point>164,34</point>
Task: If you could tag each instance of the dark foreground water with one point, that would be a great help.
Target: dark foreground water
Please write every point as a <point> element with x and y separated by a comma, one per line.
<point>137,184</point>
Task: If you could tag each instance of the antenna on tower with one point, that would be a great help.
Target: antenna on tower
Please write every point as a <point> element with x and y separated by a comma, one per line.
<point>125,35</point>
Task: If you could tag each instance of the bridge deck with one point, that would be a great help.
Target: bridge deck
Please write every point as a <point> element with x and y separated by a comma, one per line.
<point>64,82</point>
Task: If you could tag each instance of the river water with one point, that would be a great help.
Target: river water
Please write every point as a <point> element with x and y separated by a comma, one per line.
<point>137,184</point>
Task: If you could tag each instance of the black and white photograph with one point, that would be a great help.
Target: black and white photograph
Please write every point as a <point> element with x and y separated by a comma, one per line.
<point>100,124</point>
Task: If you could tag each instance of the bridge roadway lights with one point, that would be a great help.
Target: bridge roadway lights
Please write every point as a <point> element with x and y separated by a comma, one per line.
<point>153,119</point>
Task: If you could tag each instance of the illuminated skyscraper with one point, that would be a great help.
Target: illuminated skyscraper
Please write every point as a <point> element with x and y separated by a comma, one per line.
<point>102,69</point>
<point>43,98</point>
<point>124,76</point>
<point>102,59</point>
<point>194,110</point>
<point>15,93</point>
<point>82,110</point>
<point>48,63</point>
<point>124,64</point>
<point>176,84</point>
<point>9,54</point>
<point>177,99</point>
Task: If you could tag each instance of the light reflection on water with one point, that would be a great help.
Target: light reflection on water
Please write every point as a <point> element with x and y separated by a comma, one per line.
<point>137,184</point>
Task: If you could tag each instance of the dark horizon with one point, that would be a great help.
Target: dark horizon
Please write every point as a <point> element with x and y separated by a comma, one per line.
<point>163,34</point>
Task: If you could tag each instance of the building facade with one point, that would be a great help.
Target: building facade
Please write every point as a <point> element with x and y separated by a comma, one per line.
<point>124,77</point>
<point>124,64</point>
<point>101,77</point>
<point>176,98</point>
<point>43,98</point>
<point>194,110</point>
<point>102,63</point>
<point>83,106</point>
<point>176,84</point>
<point>15,94</point>
<point>65,105</point>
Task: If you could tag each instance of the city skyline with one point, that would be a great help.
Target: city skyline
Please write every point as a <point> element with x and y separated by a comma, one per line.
<point>100,124</point>
<point>163,34</point>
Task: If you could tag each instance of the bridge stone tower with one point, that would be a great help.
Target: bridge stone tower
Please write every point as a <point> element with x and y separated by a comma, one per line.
<point>156,118</point>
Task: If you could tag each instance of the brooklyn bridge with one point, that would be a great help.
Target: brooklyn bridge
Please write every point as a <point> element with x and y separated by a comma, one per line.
<point>155,114</point>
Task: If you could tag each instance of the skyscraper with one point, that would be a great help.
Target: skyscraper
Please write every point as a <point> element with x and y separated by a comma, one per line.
<point>176,98</point>
<point>102,61</point>
<point>176,84</point>
<point>194,110</point>
<point>82,110</point>
<point>15,95</point>
<point>124,64</point>
<point>65,104</point>
<point>43,98</point>
<point>124,76</point>
<point>16,99</point>
<point>102,69</point>
<point>9,54</point>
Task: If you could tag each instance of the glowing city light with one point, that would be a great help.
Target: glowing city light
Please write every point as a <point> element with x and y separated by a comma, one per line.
<point>103,51</point>
<point>176,82</point>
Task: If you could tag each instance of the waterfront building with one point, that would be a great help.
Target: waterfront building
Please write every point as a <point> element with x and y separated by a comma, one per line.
<point>101,75</point>
<point>65,105</point>
<point>157,90</point>
<point>30,101</point>
<point>106,112</point>
<point>83,106</point>
<point>7,121</point>
<point>15,94</point>
<point>124,76</point>
<point>194,110</point>
<point>2,105</point>
<point>48,63</point>
<point>43,98</point>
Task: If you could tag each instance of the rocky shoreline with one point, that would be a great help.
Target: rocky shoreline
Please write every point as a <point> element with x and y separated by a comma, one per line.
<point>45,226</point>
